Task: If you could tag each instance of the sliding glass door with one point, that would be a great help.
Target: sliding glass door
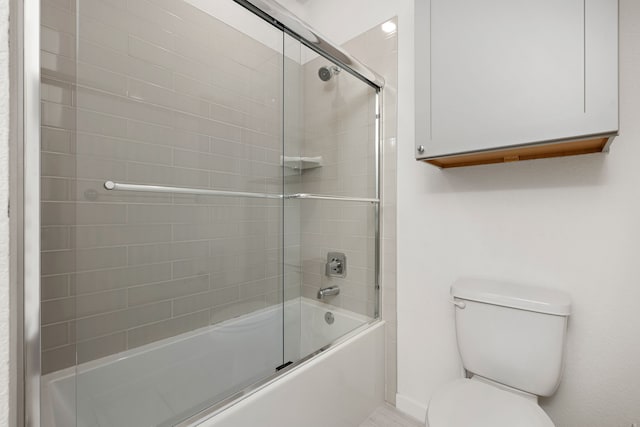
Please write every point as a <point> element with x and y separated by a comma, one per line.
<point>209,207</point>
<point>331,120</point>
<point>162,208</point>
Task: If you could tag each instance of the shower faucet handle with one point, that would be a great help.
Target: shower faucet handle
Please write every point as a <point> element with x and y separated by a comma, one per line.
<point>336,265</point>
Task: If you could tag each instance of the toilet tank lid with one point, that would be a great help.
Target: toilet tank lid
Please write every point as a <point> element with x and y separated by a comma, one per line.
<point>523,297</point>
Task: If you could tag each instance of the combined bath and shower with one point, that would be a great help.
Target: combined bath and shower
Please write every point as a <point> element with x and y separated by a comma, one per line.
<point>327,72</point>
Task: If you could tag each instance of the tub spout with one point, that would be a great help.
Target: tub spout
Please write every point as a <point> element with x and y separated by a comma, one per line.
<point>330,291</point>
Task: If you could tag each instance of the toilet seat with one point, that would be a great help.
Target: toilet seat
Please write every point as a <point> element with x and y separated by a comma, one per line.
<point>472,403</point>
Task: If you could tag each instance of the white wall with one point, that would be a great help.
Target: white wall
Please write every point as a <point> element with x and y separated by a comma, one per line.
<point>569,223</point>
<point>4,220</point>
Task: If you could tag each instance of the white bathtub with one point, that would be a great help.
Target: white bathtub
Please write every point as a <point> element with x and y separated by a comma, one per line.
<point>164,382</point>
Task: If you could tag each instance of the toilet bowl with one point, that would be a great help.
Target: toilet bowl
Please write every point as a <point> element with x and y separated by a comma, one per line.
<point>501,329</point>
<point>475,403</point>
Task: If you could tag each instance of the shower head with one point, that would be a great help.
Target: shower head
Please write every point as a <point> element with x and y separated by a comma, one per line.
<point>325,73</point>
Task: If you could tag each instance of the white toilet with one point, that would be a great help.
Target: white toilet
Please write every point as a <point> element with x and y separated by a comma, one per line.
<point>511,341</point>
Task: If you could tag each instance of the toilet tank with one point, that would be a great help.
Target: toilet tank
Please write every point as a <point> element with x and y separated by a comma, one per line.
<point>512,334</point>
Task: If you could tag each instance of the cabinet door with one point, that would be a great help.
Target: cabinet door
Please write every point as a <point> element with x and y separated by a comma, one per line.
<point>498,73</point>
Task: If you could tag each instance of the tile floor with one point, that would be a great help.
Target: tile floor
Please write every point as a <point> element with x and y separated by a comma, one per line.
<point>388,416</point>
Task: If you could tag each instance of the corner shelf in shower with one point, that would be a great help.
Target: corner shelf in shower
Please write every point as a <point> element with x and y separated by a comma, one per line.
<point>301,162</point>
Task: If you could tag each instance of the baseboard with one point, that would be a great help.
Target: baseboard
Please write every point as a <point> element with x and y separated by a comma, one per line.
<point>410,407</point>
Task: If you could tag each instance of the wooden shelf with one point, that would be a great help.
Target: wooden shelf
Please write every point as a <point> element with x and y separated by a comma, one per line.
<point>557,149</point>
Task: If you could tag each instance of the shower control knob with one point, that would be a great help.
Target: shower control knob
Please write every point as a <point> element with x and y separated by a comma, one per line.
<point>420,149</point>
<point>336,265</point>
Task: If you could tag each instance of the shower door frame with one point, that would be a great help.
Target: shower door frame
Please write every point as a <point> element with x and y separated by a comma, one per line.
<point>24,210</point>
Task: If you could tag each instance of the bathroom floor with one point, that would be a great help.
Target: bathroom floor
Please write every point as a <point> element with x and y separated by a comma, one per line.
<point>388,416</point>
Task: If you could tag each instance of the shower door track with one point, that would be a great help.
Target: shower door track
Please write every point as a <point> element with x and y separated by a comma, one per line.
<point>111,186</point>
<point>272,12</point>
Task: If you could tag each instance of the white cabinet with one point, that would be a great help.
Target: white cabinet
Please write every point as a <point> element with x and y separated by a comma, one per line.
<point>503,74</point>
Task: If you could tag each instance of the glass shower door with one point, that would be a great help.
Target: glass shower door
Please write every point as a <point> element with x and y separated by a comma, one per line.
<point>210,207</point>
<point>331,125</point>
<point>171,240</point>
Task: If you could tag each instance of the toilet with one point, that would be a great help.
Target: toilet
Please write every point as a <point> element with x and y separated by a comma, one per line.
<point>511,341</point>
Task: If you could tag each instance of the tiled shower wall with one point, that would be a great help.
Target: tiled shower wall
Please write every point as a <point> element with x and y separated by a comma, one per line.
<point>166,95</point>
<point>338,125</point>
<point>339,118</point>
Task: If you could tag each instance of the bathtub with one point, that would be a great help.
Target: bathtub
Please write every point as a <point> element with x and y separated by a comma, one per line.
<point>163,383</point>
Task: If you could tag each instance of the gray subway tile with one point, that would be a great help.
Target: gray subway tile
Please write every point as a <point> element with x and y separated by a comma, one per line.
<point>56,91</point>
<point>58,116</point>
<point>165,329</point>
<point>113,110</point>
<point>111,322</point>
<point>165,175</point>
<point>52,287</point>
<point>118,235</point>
<point>102,302</point>
<point>54,335</point>
<point>214,230</point>
<point>55,213</point>
<point>102,124</point>
<point>198,302</point>
<point>58,310</point>
<point>122,149</point>
<point>58,358</point>
<point>153,94</point>
<point>165,135</point>
<point>56,18</point>
<point>207,265</point>
<point>55,140</point>
<point>174,214</point>
<point>158,56</point>
<point>260,287</point>
<point>57,42</point>
<point>54,238</point>
<point>57,67</point>
<point>145,254</point>
<point>68,261</point>
<point>167,290</point>
<point>236,309</point>
<point>101,346</point>
<point>54,189</point>
<point>102,280</point>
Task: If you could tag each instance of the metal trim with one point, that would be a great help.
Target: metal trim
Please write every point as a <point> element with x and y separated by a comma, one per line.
<point>31,209</point>
<point>335,198</point>
<point>16,220</point>
<point>238,397</point>
<point>275,14</point>
<point>110,185</point>
<point>117,186</point>
<point>607,145</point>
<point>378,184</point>
<point>611,135</point>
